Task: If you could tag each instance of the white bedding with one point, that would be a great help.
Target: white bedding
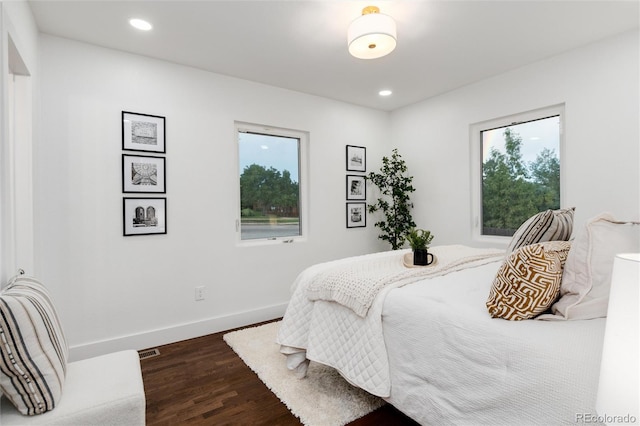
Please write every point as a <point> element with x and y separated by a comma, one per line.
<point>451,363</point>
<point>435,353</point>
<point>356,284</point>
<point>334,335</point>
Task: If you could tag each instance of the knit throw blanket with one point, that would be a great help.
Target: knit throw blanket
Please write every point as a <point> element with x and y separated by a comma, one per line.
<point>356,284</point>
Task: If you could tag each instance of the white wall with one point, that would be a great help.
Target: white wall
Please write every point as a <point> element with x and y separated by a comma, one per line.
<point>599,85</point>
<point>18,93</point>
<point>116,291</point>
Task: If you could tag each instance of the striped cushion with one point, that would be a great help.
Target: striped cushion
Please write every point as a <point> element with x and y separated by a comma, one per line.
<point>528,282</point>
<point>549,225</point>
<point>33,348</point>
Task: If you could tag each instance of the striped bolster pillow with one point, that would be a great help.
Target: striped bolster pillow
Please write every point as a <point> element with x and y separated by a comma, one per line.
<point>549,225</point>
<point>33,348</point>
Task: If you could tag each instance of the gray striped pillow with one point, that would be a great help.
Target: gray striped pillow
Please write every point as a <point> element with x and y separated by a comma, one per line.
<point>549,225</point>
<point>33,348</point>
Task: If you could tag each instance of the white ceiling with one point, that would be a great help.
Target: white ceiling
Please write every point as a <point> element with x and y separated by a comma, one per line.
<point>301,45</point>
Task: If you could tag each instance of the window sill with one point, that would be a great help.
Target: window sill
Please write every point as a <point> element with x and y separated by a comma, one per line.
<point>270,241</point>
<point>497,241</point>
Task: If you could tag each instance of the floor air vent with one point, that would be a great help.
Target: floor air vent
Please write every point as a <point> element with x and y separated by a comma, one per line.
<point>149,353</point>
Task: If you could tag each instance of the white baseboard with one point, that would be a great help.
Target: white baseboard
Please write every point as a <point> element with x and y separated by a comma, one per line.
<point>176,333</point>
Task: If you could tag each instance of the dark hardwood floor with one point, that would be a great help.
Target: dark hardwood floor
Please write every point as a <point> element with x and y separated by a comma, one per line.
<point>203,382</point>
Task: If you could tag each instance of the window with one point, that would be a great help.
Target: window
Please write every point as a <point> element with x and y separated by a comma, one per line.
<point>517,169</point>
<point>270,183</point>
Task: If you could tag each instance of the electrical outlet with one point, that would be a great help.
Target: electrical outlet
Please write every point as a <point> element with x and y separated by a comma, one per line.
<point>200,293</point>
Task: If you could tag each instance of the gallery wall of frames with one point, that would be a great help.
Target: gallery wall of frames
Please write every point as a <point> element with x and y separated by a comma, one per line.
<point>356,208</point>
<point>144,174</point>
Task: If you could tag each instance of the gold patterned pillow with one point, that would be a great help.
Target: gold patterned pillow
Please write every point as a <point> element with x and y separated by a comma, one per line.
<point>528,282</point>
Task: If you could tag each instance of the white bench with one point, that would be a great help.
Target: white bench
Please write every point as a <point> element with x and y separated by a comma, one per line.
<point>105,390</point>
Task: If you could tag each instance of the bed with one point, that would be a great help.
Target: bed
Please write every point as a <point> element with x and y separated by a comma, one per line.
<point>484,370</point>
<point>427,344</point>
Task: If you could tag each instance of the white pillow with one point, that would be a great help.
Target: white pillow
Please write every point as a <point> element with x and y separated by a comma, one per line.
<point>586,281</point>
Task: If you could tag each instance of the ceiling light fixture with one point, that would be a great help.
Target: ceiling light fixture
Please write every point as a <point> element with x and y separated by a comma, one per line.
<point>140,24</point>
<point>372,35</point>
<point>385,92</point>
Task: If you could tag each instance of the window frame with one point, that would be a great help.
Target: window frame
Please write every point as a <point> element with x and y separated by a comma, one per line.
<point>475,140</point>
<point>303,210</point>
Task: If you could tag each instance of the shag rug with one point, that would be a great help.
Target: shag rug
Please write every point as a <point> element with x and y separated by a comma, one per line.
<point>322,398</point>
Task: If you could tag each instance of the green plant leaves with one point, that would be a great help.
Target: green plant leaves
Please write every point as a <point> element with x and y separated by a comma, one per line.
<point>395,202</point>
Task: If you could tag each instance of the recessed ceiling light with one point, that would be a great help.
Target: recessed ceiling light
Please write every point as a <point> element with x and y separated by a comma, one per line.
<point>140,24</point>
<point>385,92</point>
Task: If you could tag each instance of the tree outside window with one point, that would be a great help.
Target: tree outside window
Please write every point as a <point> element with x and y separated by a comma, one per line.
<point>520,173</point>
<point>269,185</point>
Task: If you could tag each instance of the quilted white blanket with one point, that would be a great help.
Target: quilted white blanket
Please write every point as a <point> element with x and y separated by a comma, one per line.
<point>334,335</point>
<point>452,364</point>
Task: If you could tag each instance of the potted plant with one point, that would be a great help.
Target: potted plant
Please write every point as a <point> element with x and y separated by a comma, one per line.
<point>419,240</point>
<point>394,201</point>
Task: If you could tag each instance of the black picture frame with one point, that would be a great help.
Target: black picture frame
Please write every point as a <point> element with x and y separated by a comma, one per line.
<point>356,187</point>
<point>356,215</point>
<point>356,158</point>
<point>144,174</point>
<point>143,132</point>
<point>144,216</point>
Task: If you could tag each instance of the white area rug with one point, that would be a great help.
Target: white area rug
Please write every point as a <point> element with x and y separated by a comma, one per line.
<point>323,398</point>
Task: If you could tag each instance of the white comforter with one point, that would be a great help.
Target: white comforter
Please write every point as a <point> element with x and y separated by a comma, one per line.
<point>335,335</point>
<point>451,363</point>
<point>432,350</point>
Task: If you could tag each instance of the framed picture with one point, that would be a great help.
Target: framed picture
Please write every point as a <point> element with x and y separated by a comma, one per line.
<point>144,216</point>
<point>356,188</point>
<point>143,132</point>
<point>356,215</point>
<point>143,174</point>
<point>356,158</point>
